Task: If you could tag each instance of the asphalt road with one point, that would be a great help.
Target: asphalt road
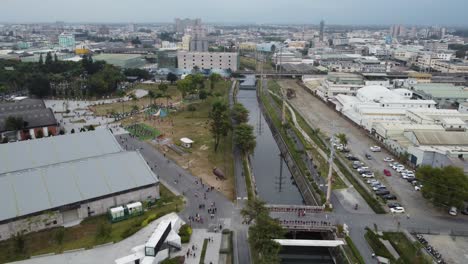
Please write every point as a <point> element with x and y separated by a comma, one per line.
<point>182,182</point>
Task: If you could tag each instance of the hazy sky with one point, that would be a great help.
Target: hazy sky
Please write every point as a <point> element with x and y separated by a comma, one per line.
<point>431,12</point>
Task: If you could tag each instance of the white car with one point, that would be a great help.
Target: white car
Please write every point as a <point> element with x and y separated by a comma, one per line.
<point>362,169</point>
<point>368,175</point>
<point>388,159</point>
<point>375,149</point>
<point>397,210</point>
<point>400,169</point>
<point>371,181</point>
<point>418,187</point>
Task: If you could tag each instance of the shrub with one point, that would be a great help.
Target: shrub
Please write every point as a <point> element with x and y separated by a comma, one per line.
<point>59,235</point>
<point>104,230</point>
<point>148,220</point>
<point>185,232</point>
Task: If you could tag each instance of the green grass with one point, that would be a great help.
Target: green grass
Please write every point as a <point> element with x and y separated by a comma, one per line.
<point>249,63</point>
<point>175,260</point>
<point>352,252</point>
<point>409,252</point>
<point>248,179</point>
<point>203,252</point>
<point>377,246</point>
<point>143,131</point>
<point>85,235</point>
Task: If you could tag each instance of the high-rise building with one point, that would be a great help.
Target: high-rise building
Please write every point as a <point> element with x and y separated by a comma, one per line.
<point>67,41</point>
<point>322,29</point>
<point>186,42</point>
<point>180,25</point>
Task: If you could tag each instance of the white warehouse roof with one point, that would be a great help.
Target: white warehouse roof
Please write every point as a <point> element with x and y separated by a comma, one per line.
<point>42,188</point>
<point>51,150</point>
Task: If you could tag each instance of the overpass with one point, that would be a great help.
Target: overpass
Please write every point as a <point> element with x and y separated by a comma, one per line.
<point>281,74</point>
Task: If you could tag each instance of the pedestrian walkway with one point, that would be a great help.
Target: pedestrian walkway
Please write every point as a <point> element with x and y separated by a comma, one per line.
<point>192,251</point>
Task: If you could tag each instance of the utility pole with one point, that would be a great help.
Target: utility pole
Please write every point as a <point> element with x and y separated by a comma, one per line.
<point>330,168</point>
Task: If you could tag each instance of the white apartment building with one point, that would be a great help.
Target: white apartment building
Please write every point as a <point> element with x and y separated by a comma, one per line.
<point>186,39</point>
<point>340,83</point>
<point>208,60</point>
<point>450,66</point>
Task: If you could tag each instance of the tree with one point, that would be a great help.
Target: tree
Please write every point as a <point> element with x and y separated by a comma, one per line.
<point>342,138</point>
<point>59,235</point>
<point>14,123</point>
<point>219,121</point>
<point>171,77</point>
<point>55,58</point>
<point>244,138</point>
<point>39,85</point>
<point>263,231</point>
<point>151,95</point>
<point>136,41</point>
<point>240,114</point>
<point>72,131</point>
<point>192,108</point>
<point>447,186</point>
<point>214,78</point>
<point>163,88</point>
<point>41,60</point>
<point>48,59</point>
<point>202,95</point>
<point>139,73</point>
<point>40,133</point>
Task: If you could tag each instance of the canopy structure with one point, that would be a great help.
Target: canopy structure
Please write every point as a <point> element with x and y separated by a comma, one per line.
<point>309,243</point>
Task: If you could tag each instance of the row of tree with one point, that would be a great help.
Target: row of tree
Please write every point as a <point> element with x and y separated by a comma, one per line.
<point>447,186</point>
<point>262,232</point>
<point>95,77</point>
<point>244,136</point>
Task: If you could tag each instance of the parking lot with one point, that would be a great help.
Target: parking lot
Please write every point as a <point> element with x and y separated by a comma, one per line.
<point>318,114</point>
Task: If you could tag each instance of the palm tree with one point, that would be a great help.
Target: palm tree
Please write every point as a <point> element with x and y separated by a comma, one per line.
<point>214,78</point>
<point>342,138</point>
<point>151,96</point>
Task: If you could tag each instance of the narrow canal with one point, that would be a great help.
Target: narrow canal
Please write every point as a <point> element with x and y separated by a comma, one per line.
<point>274,186</point>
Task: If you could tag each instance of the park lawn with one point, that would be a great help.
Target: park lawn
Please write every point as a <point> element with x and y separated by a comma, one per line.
<point>127,106</point>
<point>143,131</point>
<point>84,234</point>
<point>196,126</point>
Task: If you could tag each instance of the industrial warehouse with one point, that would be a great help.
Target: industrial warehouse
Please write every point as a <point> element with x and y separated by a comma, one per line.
<point>58,181</point>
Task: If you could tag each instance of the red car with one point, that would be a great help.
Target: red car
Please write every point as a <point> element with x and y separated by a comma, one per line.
<point>387,173</point>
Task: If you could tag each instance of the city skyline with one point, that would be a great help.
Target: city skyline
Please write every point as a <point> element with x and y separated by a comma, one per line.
<point>344,12</point>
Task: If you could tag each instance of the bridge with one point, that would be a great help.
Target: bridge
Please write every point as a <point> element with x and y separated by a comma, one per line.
<point>280,74</point>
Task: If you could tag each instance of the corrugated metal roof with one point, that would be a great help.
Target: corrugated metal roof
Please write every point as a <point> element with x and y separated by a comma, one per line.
<point>442,138</point>
<point>46,151</point>
<point>33,190</point>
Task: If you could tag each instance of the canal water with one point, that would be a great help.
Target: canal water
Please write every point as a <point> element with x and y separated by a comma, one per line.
<point>273,187</point>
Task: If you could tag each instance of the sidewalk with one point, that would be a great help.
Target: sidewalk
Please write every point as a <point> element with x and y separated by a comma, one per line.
<point>197,238</point>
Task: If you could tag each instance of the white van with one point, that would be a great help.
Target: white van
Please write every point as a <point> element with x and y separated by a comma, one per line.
<point>453,211</point>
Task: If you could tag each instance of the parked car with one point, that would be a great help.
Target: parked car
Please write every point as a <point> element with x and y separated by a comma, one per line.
<point>418,187</point>
<point>397,210</point>
<point>377,183</point>
<point>393,205</point>
<point>400,169</point>
<point>453,211</point>
<point>465,212</point>
<point>379,187</point>
<point>362,169</point>
<point>411,179</point>
<point>352,158</point>
<point>371,181</point>
<point>382,192</point>
<point>388,159</point>
<point>375,149</point>
<point>368,175</point>
<point>368,156</point>
<point>389,197</point>
<point>387,173</point>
